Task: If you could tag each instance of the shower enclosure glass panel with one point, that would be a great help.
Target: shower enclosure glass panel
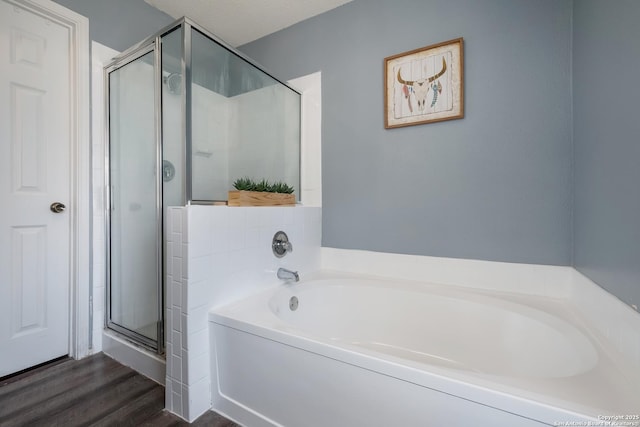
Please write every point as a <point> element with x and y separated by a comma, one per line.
<point>134,267</point>
<point>173,173</point>
<point>244,123</point>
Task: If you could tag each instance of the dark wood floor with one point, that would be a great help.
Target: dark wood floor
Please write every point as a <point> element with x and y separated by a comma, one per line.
<point>96,391</point>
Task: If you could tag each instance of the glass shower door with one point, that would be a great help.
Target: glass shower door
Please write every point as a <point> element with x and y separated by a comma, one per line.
<point>135,268</point>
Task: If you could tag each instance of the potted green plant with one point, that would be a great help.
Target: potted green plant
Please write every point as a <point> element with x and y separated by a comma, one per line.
<point>249,192</point>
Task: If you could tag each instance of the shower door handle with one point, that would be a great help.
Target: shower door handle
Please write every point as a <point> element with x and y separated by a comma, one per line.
<point>57,207</point>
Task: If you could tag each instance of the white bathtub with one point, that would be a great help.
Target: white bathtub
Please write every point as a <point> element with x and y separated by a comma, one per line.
<point>367,352</point>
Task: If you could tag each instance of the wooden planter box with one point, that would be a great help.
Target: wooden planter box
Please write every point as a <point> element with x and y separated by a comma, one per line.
<point>260,198</point>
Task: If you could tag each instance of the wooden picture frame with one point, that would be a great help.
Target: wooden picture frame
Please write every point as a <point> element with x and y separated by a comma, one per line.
<point>424,85</point>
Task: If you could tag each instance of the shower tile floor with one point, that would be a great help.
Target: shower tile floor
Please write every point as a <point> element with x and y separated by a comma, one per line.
<point>95,391</point>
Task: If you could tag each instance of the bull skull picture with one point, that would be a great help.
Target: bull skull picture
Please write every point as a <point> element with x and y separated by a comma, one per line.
<point>424,85</point>
<point>420,88</point>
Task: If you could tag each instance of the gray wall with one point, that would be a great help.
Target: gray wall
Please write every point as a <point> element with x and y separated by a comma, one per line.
<point>495,185</point>
<point>606,61</point>
<point>119,24</point>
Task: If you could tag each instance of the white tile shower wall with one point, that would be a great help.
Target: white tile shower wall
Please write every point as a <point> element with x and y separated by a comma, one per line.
<point>215,255</point>
<point>172,147</point>
<point>267,148</point>
<point>210,141</point>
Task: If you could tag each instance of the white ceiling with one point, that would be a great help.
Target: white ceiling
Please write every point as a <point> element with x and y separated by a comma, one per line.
<point>240,21</point>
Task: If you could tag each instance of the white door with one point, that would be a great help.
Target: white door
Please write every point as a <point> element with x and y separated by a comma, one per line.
<point>35,134</point>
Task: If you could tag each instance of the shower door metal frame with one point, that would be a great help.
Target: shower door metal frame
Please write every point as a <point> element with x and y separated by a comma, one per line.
<point>187,25</point>
<point>150,45</point>
<point>154,44</point>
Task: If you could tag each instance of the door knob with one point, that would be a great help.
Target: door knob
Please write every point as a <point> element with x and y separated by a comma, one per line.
<point>57,207</point>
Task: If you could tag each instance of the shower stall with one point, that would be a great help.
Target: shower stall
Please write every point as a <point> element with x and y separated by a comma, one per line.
<point>187,115</point>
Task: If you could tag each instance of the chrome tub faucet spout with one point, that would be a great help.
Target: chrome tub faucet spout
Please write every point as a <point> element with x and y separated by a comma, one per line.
<point>285,274</point>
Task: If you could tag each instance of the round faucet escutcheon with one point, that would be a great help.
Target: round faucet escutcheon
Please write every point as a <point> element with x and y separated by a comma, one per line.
<point>280,244</point>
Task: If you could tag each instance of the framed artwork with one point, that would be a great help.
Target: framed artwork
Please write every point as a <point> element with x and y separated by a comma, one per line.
<point>425,85</point>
